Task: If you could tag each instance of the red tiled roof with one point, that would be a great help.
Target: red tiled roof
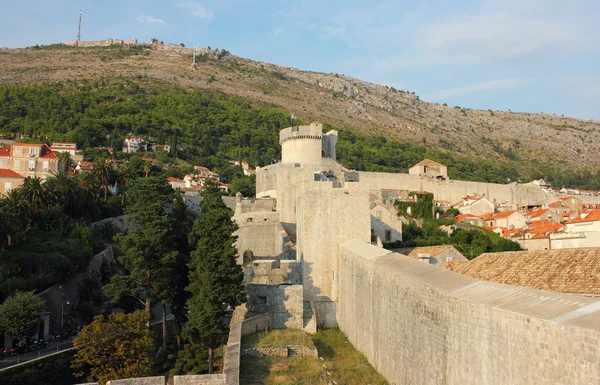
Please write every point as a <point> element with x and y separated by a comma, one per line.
<point>564,270</point>
<point>592,216</point>
<point>500,215</point>
<point>460,217</point>
<point>537,213</point>
<point>47,153</point>
<point>6,173</point>
<point>5,151</point>
<point>173,179</point>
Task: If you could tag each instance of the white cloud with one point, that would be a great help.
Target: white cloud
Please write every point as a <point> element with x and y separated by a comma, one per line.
<point>278,31</point>
<point>198,10</point>
<point>149,19</point>
<point>488,37</point>
<point>492,85</point>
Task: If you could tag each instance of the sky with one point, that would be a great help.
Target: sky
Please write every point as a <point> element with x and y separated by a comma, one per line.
<point>522,55</point>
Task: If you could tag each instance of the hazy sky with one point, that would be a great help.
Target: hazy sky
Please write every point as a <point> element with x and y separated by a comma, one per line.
<point>524,55</point>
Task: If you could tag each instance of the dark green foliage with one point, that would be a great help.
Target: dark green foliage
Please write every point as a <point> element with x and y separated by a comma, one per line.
<point>470,242</point>
<point>422,208</point>
<point>208,125</point>
<point>148,250</point>
<point>54,370</point>
<point>215,277</point>
<point>20,315</point>
<point>373,153</point>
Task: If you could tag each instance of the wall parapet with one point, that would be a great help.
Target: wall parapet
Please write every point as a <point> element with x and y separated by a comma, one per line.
<point>420,324</point>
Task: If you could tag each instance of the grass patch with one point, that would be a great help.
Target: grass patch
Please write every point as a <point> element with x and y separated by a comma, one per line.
<point>340,361</point>
<point>276,338</point>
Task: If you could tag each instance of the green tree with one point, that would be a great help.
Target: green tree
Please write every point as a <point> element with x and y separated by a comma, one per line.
<point>215,277</point>
<point>246,185</point>
<point>119,346</point>
<point>20,315</point>
<point>35,193</point>
<point>64,161</point>
<point>149,250</point>
<point>104,174</point>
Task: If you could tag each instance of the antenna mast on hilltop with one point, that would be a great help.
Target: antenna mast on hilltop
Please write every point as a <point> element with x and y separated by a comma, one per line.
<point>79,29</point>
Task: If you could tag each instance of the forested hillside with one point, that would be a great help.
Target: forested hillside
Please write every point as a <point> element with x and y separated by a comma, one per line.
<point>207,124</point>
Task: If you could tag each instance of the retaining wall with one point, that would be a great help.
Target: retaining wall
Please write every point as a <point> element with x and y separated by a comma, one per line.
<point>420,324</point>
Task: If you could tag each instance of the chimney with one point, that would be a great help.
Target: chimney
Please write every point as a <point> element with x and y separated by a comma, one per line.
<point>424,257</point>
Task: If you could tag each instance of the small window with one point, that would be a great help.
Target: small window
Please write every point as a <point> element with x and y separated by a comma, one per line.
<point>248,220</point>
<point>388,236</point>
<point>32,165</point>
<point>3,162</point>
<point>18,150</point>
<point>32,152</point>
<point>378,214</point>
<point>261,300</point>
<point>7,186</point>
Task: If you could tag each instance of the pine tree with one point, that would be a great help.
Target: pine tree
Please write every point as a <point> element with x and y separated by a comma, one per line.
<point>215,277</point>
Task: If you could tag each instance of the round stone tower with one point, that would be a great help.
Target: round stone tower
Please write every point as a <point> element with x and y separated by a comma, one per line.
<point>301,144</point>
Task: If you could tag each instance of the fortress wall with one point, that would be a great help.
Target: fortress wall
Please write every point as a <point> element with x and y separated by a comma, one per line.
<point>303,150</point>
<point>454,190</point>
<point>261,235</point>
<point>323,217</point>
<point>419,324</point>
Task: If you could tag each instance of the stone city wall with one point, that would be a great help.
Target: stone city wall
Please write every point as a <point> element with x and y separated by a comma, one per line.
<point>323,214</point>
<point>454,190</point>
<point>419,324</point>
<point>288,351</point>
<point>261,234</point>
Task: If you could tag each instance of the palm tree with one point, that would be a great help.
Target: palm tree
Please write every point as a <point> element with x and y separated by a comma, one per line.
<point>64,160</point>
<point>105,175</point>
<point>35,193</point>
<point>15,212</point>
<point>121,178</point>
<point>61,189</point>
<point>147,168</point>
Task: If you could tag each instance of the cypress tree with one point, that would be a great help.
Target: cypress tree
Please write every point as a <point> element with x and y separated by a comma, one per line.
<point>215,277</point>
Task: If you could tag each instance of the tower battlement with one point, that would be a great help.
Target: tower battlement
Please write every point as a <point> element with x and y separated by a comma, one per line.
<point>314,131</point>
<point>307,144</point>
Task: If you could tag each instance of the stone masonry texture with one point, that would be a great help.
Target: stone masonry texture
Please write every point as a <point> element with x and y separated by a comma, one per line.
<point>419,324</point>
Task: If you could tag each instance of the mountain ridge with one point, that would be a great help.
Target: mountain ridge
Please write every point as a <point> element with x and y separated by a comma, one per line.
<point>526,138</point>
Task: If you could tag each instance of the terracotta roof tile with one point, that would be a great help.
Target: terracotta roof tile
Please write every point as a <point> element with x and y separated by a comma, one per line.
<point>564,270</point>
<point>6,173</point>
<point>429,163</point>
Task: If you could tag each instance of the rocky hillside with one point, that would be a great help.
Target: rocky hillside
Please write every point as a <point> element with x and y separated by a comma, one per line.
<point>333,98</point>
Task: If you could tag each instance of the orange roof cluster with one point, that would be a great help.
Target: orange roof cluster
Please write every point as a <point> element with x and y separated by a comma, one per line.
<point>565,270</point>
<point>536,213</point>
<point>594,215</point>
<point>500,215</point>
<point>173,179</point>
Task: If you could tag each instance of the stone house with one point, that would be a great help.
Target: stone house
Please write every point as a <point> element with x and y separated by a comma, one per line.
<point>9,180</point>
<point>29,159</point>
<point>589,225</point>
<point>434,255</point>
<point>508,219</point>
<point>70,148</point>
<point>385,224</point>
<point>476,207</point>
<point>470,219</point>
<point>541,214</point>
<point>429,168</point>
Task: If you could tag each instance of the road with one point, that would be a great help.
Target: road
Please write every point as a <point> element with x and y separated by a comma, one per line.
<point>53,347</point>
